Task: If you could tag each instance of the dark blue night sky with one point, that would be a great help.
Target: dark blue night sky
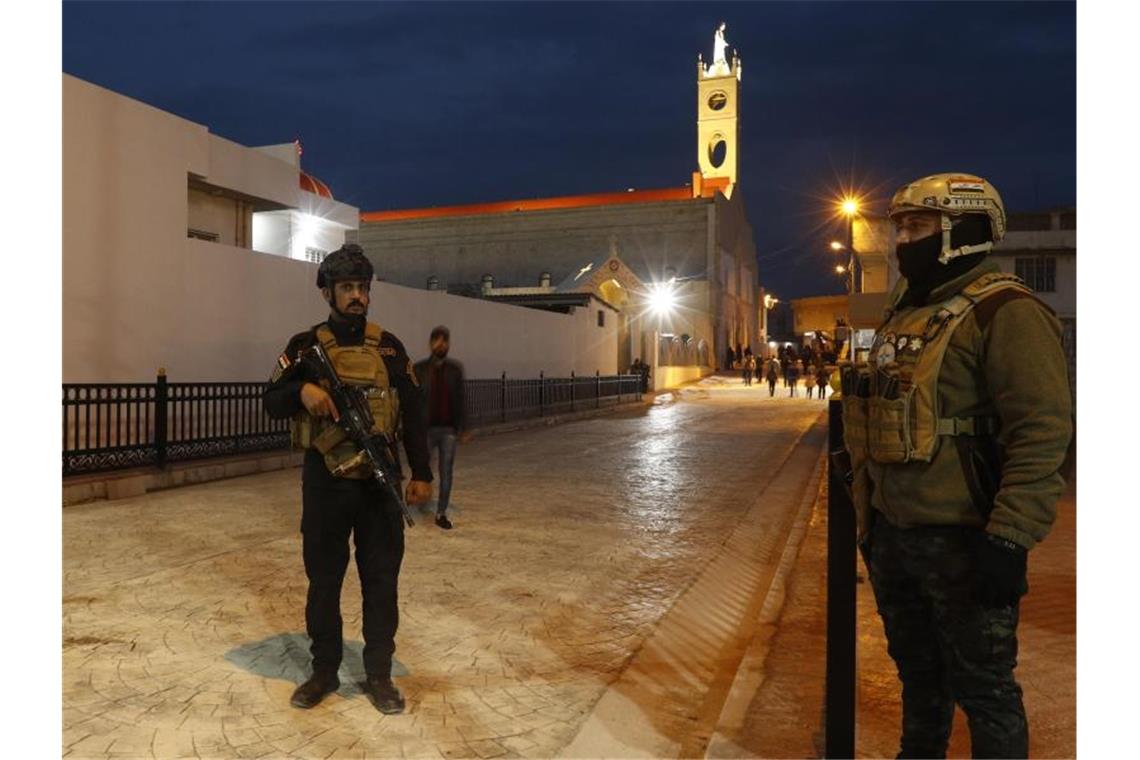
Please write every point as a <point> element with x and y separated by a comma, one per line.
<point>408,105</point>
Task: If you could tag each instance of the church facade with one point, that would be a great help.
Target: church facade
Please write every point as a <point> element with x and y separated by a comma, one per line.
<point>693,242</point>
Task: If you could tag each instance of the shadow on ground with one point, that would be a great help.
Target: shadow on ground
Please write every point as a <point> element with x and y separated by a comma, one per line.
<point>286,657</point>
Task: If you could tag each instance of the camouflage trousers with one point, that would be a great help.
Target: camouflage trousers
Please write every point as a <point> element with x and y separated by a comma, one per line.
<point>949,649</point>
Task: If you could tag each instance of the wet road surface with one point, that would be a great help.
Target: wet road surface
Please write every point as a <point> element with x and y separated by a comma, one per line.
<point>183,609</point>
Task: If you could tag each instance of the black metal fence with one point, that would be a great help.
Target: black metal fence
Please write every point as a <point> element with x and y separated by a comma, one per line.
<point>112,426</point>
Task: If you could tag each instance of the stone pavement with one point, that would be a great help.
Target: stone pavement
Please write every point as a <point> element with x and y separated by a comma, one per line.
<point>784,716</point>
<point>183,609</point>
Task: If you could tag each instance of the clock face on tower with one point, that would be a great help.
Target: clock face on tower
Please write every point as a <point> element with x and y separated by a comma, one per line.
<point>718,100</point>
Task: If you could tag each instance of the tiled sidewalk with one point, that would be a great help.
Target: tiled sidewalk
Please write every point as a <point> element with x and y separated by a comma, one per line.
<point>786,718</point>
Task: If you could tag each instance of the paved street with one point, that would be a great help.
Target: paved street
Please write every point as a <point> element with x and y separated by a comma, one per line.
<point>591,594</point>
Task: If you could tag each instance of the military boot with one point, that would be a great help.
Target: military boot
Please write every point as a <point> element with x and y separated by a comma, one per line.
<point>384,694</point>
<point>311,692</point>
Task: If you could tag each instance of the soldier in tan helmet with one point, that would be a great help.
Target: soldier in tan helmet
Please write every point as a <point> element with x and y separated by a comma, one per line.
<point>957,427</point>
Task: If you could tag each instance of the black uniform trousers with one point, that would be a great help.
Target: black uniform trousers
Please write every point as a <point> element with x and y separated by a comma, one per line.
<point>949,648</point>
<point>332,510</point>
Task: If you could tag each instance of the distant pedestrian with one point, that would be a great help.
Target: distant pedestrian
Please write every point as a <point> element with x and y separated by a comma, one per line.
<point>809,383</point>
<point>822,377</point>
<point>442,381</point>
<point>749,368</point>
<point>793,377</point>
<point>773,375</point>
<point>643,370</point>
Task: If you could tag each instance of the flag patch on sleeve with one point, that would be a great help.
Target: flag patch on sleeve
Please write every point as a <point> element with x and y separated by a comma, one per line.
<point>283,364</point>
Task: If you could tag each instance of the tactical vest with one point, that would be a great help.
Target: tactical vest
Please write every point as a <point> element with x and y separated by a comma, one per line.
<point>361,366</point>
<point>890,404</point>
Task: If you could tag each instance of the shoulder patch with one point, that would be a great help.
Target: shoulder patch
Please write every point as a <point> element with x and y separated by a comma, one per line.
<point>283,363</point>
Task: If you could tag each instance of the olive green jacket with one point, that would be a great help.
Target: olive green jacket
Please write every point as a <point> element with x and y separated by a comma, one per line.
<point>1015,369</point>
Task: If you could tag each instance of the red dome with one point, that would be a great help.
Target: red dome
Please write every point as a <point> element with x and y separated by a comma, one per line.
<point>315,186</point>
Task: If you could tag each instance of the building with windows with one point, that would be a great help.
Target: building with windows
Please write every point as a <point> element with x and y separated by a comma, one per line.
<point>189,253</point>
<point>173,239</point>
<point>1041,248</point>
<point>691,244</point>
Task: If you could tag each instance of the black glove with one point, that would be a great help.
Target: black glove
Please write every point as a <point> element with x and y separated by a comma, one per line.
<point>1001,565</point>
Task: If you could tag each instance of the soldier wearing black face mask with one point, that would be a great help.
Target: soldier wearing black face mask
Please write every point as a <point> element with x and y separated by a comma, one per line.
<point>957,449</point>
<point>335,506</point>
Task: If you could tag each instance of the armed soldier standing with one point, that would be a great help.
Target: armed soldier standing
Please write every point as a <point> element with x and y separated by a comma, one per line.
<point>957,428</point>
<point>366,356</point>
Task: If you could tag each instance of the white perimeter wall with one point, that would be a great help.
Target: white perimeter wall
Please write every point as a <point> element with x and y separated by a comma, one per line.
<point>138,294</point>
<point>221,313</point>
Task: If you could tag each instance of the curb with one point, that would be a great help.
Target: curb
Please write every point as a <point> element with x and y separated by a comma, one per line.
<point>750,675</point>
<point>641,714</point>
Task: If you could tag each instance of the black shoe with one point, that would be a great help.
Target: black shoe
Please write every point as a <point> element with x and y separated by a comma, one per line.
<point>311,692</point>
<point>443,522</point>
<point>384,694</point>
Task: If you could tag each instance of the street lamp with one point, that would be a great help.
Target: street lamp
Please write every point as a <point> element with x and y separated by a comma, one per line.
<point>849,207</point>
<point>662,299</point>
<point>836,245</point>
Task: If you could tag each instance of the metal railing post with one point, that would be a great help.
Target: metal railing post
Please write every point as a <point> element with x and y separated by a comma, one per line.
<point>503,399</point>
<point>160,406</point>
<point>571,390</point>
<point>597,389</point>
<point>541,394</point>
<point>839,700</point>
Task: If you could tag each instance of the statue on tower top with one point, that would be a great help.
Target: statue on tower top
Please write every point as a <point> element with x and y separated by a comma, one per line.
<point>720,66</point>
<point>719,46</point>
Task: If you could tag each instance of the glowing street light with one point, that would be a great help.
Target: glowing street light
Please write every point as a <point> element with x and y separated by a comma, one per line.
<point>849,207</point>
<point>840,269</point>
<point>662,298</point>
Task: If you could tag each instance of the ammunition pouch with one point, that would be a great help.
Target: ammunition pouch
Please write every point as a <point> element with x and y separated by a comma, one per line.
<point>363,367</point>
<point>889,428</point>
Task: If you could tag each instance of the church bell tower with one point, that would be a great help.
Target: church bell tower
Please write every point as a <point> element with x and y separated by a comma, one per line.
<point>718,120</point>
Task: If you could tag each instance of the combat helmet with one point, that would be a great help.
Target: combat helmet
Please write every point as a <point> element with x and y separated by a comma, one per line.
<point>953,194</point>
<point>345,263</point>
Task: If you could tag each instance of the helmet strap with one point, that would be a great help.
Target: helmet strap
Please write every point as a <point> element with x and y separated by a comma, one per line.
<point>948,254</point>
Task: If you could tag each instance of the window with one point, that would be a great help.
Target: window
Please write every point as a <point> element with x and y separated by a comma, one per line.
<point>1028,222</point>
<point>601,318</point>
<point>1039,272</point>
<point>315,255</point>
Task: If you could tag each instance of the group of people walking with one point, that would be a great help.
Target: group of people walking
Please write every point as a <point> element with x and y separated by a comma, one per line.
<point>789,367</point>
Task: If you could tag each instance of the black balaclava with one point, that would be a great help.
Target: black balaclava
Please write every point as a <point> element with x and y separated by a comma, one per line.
<point>918,261</point>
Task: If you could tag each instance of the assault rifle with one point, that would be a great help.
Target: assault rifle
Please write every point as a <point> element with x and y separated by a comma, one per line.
<point>375,450</point>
